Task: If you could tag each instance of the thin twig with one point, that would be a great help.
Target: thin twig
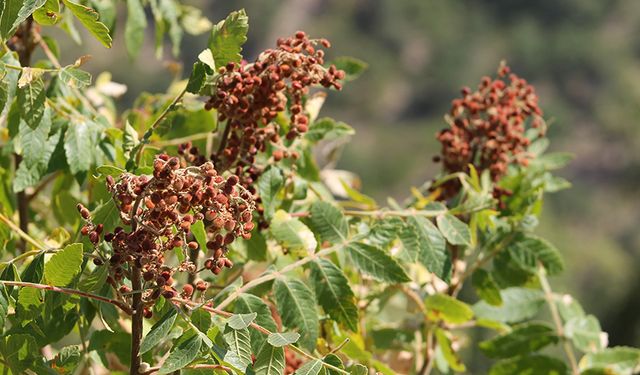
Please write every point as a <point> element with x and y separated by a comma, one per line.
<point>124,307</point>
<point>21,233</point>
<point>566,345</point>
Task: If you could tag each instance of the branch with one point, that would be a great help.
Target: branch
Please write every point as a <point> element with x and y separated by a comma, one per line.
<point>548,295</point>
<point>194,367</point>
<point>123,306</point>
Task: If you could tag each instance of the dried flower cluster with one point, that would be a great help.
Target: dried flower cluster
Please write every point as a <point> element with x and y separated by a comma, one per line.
<point>160,211</point>
<point>488,126</point>
<point>249,97</point>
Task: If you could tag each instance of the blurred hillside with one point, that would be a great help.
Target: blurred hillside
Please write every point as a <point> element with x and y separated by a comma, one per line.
<point>582,55</point>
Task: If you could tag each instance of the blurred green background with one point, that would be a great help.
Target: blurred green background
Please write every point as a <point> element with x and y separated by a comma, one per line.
<point>582,55</point>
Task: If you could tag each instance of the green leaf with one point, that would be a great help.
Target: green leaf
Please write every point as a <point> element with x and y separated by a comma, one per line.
<point>134,28</point>
<point>530,365</point>
<point>517,304</point>
<point>31,99</point>
<point>292,234</point>
<point>486,287</point>
<point>444,344</point>
<point>297,307</point>
<point>202,320</point>
<point>158,331</point>
<point>108,214</point>
<point>524,339</point>
<point>429,246</point>
<point>27,9</point>
<point>248,303</point>
<point>110,170</point>
<point>283,339</point>
<point>10,9</point>
<point>184,354</point>
<point>334,293</point>
<point>552,161</point>
<point>352,67</point>
<point>269,185</point>
<point>199,233</point>
<point>48,14</point>
<point>617,360</point>
<point>96,280</point>
<point>312,367</point>
<point>29,301</point>
<point>241,321</point>
<point>586,333</point>
<point>376,263</point>
<point>227,38</point>
<point>30,172</point>
<point>527,250</point>
<point>89,18</point>
<point>328,128</point>
<point>239,342</point>
<point>454,230</point>
<point>328,222</point>
<point>270,361</point>
<point>4,306</point>
<point>197,78</point>
<point>64,265</point>
<point>78,146</point>
<point>448,308</point>
<point>74,77</point>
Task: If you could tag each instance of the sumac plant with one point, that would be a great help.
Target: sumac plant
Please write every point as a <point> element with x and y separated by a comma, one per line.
<point>197,233</point>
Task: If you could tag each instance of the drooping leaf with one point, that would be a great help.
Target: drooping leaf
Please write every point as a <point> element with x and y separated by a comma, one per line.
<point>64,265</point>
<point>328,222</point>
<point>269,185</point>
<point>448,308</point>
<point>158,331</point>
<point>134,28</point>
<point>79,146</point>
<point>239,342</point>
<point>532,364</point>
<point>248,303</point>
<point>96,279</point>
<point>444,344</point>
<point>374,262</point>
<point>454,230</point>
<point>9,11</point>
<point>283,338</point>
<point>270,361</point>
<point>31,99</point>
<point>108,214</point>
<point>524,339</point>
<point>297,307</point>
<point>334,293</point>
<point>517,304</point>
<point>227,38</point>
<point>429,244</point>
<point>292,234</point>
<point>4,305</point>
<point>181,356</point>
<point>90,19</point>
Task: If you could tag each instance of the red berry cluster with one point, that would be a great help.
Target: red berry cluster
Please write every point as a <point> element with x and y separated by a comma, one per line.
<point>487,127</point>
<point>249,97</point>
<point>160,210</point>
